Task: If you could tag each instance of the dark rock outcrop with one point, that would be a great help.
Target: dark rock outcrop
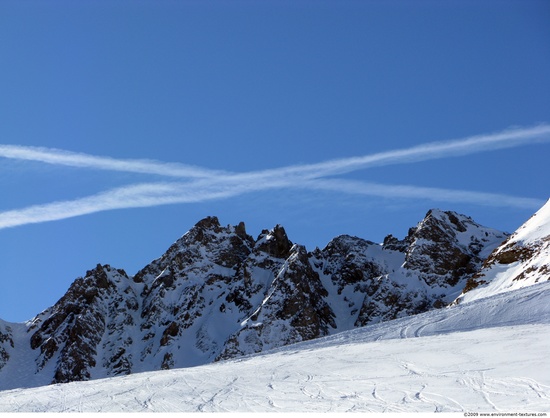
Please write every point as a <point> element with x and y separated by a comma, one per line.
<point>218,293</point>
<point>522,260</point>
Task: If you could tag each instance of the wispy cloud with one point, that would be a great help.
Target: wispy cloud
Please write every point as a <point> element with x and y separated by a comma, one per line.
<point>207,184</point>
<point>429,151</point>
<point>133,196</point>
<point>73,159</point>
<point>435,150</point>
<point>156,194</point>
<point>425,193</point>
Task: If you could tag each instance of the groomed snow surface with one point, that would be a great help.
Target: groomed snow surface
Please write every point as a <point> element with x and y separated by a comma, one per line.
<point>490,355</point>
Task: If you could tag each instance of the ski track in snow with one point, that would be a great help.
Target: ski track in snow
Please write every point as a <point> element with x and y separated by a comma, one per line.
<point>489,356</point>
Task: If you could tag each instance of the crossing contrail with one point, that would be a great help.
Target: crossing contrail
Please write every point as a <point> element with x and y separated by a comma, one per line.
<point>204,184</point>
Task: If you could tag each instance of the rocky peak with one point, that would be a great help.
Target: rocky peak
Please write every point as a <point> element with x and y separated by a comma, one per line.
<point>240,230</point>
<point>345,244</point>
<point>349,260</point>
<point>438,225</point>
<point>394,244</point>
<point>522,259</point>
<point>210,222</point>
<point>446,247</point>
<point>208,242</point>
<point>217,293</point>
<point>293,309</point>
<point>68,334</point>
<point>274,242</point>
<point>205,230</point>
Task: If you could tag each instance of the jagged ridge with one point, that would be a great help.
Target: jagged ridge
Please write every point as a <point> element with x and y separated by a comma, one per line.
<point>522,260</point>
<point>218,293</point>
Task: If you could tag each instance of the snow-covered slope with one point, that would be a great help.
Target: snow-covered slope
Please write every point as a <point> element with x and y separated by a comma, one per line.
<point>6,342</point>
<point>489,355</point>
<point>217,293</point>
<point>522,260</point>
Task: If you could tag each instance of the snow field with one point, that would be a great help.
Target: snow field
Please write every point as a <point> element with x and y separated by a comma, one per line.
<point>491,370</point>
<point>490,355</point>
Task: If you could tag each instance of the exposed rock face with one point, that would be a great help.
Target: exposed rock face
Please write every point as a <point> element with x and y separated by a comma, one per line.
<point>425,270</point>
<point>522,260</point>
<point>71,333</point>
<point>293,309</point>
<point>218,293</point>
<point>6,341</point>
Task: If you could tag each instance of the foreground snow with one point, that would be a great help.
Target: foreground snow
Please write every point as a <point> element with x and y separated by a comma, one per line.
<point>483,370</point>
<point>488,355</point>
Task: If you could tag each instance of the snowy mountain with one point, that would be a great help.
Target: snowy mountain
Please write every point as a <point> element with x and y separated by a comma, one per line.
<point>487,356</point>
<point>522,260</point>
<point>218,294</point>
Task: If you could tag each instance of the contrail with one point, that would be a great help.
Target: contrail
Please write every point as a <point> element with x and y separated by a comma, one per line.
<point>428,193</point>
<point>156,194</point>
<point>133,196</point>
<point>211,184</point>
<point>429,151</point>
<point>73,159</point>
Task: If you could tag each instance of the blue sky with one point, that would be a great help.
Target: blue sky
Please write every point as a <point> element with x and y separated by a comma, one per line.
<point>327,117</point>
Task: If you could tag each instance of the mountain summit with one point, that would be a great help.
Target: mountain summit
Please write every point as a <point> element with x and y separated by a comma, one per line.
<point>217,293</point>
<point>522,260</point>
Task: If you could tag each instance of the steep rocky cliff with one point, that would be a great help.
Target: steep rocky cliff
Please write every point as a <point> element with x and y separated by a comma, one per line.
<point>218,293</point>
<point>522,260</point>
